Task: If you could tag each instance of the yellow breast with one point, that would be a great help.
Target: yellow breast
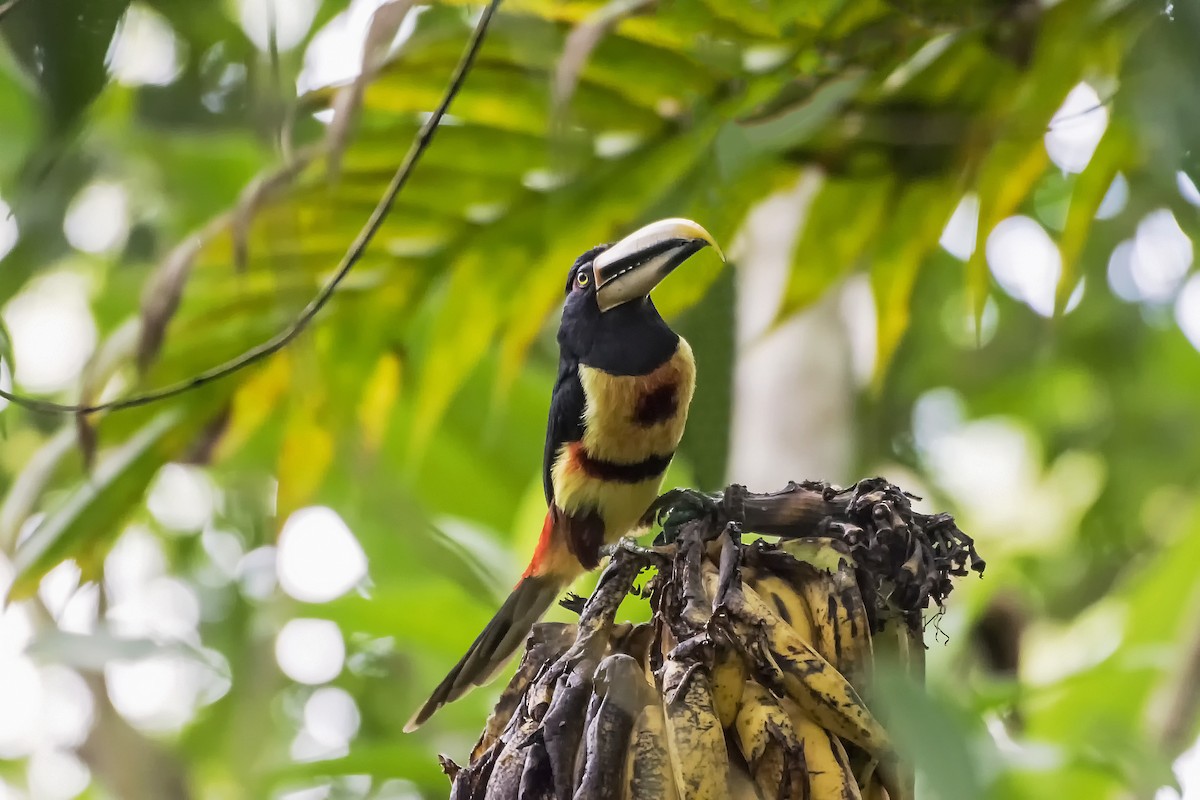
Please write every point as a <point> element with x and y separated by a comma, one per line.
<point>632,425</point>
<point>628,418</point>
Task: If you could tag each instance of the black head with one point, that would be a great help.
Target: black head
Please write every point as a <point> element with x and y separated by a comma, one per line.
<point>609,320</point>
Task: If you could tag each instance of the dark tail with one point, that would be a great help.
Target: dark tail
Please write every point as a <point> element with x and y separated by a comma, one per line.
<point>492,649</point>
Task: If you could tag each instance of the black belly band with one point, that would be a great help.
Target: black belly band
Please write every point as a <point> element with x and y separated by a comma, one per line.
<point>636,472</point>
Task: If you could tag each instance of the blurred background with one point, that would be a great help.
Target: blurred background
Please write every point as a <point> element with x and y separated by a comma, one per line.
<point>961,240</point>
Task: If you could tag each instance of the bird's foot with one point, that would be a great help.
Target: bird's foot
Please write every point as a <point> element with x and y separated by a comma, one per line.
<point>655,553</point>
<point>573,602</point>
<point>678,507</point>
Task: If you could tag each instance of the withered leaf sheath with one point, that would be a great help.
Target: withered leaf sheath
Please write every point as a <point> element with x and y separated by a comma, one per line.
<point>753,678</point>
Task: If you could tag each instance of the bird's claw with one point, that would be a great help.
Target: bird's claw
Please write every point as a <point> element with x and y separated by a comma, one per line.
<point>573,602</point>
<point>653,553</point>
<point>678,507</point>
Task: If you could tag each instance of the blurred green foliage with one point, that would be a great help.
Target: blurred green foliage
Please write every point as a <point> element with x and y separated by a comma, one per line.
<point>415,406</point>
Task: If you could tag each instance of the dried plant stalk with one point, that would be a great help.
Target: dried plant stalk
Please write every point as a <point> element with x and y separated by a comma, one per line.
<point>753,679</point>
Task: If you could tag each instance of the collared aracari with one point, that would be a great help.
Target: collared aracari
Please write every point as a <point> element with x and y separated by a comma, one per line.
<point>618,408</point>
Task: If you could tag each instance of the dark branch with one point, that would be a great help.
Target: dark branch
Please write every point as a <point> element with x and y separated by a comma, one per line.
<point>919,553</point>
<point>352,257</point>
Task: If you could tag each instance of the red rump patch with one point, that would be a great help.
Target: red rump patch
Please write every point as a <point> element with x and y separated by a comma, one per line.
<point>581,532</point>
<point>545,542</point>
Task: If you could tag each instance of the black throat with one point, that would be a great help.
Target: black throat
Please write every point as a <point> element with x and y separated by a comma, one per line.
<point>631,339</point>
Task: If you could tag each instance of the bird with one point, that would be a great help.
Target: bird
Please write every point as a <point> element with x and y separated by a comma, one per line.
<point>617,412</point>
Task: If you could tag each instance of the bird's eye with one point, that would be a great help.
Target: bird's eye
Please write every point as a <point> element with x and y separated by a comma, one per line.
<point>582,278</point>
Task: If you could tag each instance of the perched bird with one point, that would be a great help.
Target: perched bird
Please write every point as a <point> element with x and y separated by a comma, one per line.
<point>618,408</point>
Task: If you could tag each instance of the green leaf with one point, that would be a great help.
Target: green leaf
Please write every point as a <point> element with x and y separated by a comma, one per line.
<point>931,733</point>
<point>1006,179</point>
<point>711,328</point>
<point>842,219</point>
<point>914,227</point>
<point>1155,603</point>
<point>1111,155</point>
<point>465,329</point>
<point>794,124</point>
<point>1052,198</point>
<point>21,499</point>
<point>67,61</point>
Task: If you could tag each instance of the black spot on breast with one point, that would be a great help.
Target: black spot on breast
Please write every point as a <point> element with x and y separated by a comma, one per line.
<point>657,405</point>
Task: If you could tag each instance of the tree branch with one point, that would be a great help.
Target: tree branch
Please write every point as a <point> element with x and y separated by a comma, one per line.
<point>873,520</point>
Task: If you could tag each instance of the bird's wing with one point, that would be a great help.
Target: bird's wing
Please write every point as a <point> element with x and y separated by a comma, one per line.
<point>566,420</point>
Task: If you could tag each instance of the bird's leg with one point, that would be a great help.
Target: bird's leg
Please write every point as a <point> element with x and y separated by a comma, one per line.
<point>573,602</point>
<point>644,557</point>
<point>690,506</point>
<point>656,554</point>
<point>678,507</point>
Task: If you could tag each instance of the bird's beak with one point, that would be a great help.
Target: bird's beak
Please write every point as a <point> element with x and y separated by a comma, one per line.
<point>636,264</point>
